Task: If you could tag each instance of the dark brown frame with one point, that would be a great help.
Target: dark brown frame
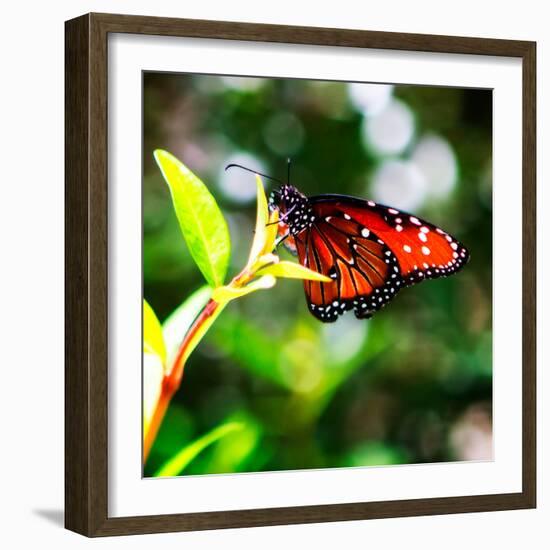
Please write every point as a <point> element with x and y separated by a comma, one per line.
<point>86,274</point>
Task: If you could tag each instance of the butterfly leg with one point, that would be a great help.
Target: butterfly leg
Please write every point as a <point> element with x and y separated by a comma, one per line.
<point>282,239</point>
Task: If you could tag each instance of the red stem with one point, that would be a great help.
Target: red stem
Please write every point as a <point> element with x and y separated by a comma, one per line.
<point>172,379</point>
<point>174,375</point>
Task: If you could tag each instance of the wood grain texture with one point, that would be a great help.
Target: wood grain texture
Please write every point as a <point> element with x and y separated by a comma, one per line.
<point>86,257</point>
<point>262,32</point>
<point>77,387</point>
<point>529,276</point>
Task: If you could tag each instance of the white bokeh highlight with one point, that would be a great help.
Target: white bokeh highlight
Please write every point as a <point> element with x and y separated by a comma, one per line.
<point>436,160</point>
<point>400,184</point>
<point>236,184</point>
<point>370,99</point>
<point>345,338</point>
<point>243,83</point>
<point>391,131</point>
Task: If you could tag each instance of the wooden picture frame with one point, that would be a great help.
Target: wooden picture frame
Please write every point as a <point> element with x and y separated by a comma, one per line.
<point>86,222</point>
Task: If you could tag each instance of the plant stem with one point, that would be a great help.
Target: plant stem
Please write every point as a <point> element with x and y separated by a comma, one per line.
<point>173,376</point>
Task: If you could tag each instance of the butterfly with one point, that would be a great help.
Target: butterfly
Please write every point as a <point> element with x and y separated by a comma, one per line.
<point>370,251</point>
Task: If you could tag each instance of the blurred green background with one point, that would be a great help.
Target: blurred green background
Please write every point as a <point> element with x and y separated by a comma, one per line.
<point>411,385</point>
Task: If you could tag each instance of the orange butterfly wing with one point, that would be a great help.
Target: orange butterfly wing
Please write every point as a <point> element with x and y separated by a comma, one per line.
<point>365,273</point>
<point>371,252</point>
<point>422,249</point>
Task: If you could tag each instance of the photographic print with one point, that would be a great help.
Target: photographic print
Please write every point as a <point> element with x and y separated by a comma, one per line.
<point>317,274</point>
<point>299,282</point>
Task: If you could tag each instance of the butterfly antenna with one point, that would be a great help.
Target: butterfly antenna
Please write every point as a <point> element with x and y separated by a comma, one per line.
<point>253,172</point>
<point>288,170</point>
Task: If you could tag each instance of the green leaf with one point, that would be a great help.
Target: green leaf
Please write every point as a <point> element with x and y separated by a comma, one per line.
<point>153,340</point>
<point>235,452</point>
<point>175,327</point>
<point>179,462</point>
<point>201,221</point>
<point>224,294</point>
<point>292,270</point>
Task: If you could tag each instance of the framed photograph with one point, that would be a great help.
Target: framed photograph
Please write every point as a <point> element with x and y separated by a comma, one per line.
<point>300,275</point>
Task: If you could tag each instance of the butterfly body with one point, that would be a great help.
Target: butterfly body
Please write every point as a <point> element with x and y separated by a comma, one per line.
<point>370,251</point>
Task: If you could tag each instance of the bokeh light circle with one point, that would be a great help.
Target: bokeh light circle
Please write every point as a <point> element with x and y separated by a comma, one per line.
<point>435,158</point>
<point>370,99</point>
<point>399,183</point>
<point>243,83</point>
<point>345,338</point>
<point>284,133</point>
<point>391,131</point>
<point>236,184</point>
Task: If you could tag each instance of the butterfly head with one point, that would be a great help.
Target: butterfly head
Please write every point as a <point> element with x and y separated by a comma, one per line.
<point>295,210</point>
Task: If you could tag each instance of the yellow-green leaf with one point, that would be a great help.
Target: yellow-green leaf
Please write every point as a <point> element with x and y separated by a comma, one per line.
<point>153,375</point>
<point>262,216</point>
<point>153,341</point>
<point>201,221</point>
<point>180,461</point>
<point>271,232</point>
<point>291,270</point>
<point>224,294</point>
<point>234,452</point>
